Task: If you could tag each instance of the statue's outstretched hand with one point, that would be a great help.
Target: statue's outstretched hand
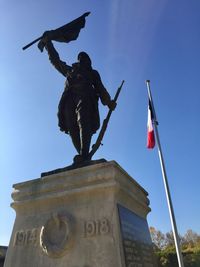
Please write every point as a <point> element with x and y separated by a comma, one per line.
<point>112,105</point>
<point>45,38</point>
<point>41,45</point>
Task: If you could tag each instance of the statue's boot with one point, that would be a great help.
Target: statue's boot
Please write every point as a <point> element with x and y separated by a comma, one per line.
<point>82,145</point>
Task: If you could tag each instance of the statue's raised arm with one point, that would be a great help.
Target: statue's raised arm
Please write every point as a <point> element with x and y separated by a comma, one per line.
<point>54,58</point>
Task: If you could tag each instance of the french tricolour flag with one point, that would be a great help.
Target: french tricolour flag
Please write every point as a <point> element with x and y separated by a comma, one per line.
<point>150,130</point>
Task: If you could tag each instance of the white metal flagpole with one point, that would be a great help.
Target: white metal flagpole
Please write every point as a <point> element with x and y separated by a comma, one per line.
<point>167,191</point>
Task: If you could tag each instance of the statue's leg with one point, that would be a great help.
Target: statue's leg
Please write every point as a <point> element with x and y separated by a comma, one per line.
<point>85,137</point>
<point>84,123</point>
<point>75,136</point>
<point>70,116</point>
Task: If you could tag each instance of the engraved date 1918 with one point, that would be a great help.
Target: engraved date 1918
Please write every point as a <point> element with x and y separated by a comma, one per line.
<point>96,227</point>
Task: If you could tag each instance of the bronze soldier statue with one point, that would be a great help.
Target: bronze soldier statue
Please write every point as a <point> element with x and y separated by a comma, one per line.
<point>78,113</point>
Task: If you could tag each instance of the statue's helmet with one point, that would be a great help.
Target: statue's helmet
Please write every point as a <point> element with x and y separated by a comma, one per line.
<point>84,57</point>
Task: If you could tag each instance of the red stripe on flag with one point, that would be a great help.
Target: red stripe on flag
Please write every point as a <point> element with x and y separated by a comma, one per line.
<point>150,131</point>
<point>150,140</point>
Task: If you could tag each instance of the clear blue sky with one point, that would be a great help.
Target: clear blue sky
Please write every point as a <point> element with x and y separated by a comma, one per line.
<point>130,40</point>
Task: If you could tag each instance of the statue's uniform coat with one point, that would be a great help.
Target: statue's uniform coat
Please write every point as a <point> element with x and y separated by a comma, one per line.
<point>79,101</point>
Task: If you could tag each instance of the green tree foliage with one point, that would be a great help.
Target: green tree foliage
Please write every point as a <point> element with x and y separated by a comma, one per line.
<point>191,239</point>
<point>165,249</point>
<point>158,238</point>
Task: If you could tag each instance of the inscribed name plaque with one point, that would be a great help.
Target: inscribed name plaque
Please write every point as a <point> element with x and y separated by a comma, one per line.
<point>136,239</point>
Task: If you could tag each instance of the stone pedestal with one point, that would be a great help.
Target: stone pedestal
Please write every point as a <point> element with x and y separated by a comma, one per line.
<point>94,216</point>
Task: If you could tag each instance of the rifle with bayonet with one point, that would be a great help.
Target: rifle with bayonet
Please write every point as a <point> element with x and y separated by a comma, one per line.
<point>104,125</point>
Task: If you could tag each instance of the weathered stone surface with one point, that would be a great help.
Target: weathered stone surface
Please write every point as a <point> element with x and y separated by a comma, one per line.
<point>3,250</point>
<point>71,218</point>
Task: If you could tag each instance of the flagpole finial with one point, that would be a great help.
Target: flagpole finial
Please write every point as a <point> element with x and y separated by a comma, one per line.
<point>147,81</point>
<point>86,14</point>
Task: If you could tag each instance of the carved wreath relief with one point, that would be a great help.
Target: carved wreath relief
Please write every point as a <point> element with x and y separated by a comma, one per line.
<point>56,236</point>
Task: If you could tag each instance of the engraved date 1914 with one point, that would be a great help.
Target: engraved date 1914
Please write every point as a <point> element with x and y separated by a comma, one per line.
<point>26,237</point>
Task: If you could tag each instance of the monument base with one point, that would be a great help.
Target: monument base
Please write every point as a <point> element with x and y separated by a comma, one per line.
<point>74,166</point>
<point>94,216</point>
